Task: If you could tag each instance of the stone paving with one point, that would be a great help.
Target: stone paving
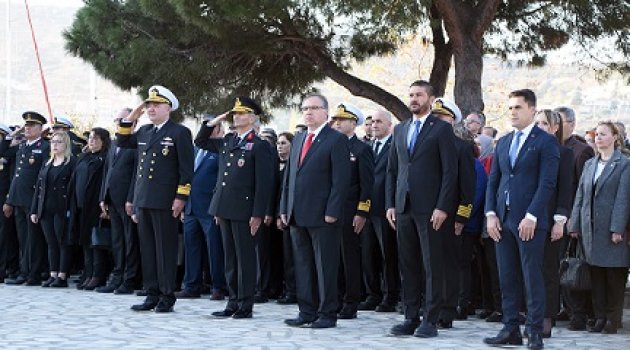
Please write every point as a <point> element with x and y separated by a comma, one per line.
<point>35,317</point>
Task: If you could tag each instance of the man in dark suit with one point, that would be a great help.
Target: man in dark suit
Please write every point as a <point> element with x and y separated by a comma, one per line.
<point>116,192</point>
<point>9,248</point>
<point>379,254</point>
<point>421,183</point>
<point>162,187</point>
<point>30,155</point>
<point>241,199</point>
<point>317,178</point>
<point>201,232</point>
<point>460,209</point>
<point>357,208</point>
<point>577,301</point>
<point>520,185</point>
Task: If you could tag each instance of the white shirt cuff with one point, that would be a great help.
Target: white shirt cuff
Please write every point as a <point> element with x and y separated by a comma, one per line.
<point>491,213</point>
<point>531,217</point>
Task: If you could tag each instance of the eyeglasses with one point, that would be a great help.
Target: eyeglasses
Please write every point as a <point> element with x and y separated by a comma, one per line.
<point>311,108</point>
<point>470,121</point>
<point>57,141</point>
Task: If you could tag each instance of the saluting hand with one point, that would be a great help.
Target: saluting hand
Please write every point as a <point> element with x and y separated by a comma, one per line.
<point>178,206</point>
<point>254,224</point>
<point>136,113</point>
<point>217,120</point>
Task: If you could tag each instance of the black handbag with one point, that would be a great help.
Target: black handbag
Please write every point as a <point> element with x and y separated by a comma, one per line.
<point>101,236</point>
<point>575,273</point>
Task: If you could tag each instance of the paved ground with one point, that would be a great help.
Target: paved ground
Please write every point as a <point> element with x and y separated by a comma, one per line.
<point>34,317</point>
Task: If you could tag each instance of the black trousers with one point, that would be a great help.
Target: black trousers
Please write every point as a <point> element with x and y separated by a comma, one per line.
<point>33,255</point>
<point>158,237</point>
<point>350,267</point>
<point>9,247</point>
<point>551,265</point>
<point>262,242</point>
<point>608,289</point>
<point>125,248</point>
<point>489,248</point>
<point>379,260</point>
<point>316,254</point>
<point>288,263</point>
<point>465,267</point>
<point>451,256</point>
<point>240,263</point>
<point>59,253</point>
<point>417,238</point>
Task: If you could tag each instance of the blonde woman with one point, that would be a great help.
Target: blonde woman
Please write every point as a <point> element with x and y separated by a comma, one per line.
<point>49,207</point>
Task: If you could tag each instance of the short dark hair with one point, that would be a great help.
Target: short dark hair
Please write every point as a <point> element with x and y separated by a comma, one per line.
<point>528,95</point>
<point>424,84</point>
<point>287,135</point>
<point>318,95</point>
<point>569,113</point>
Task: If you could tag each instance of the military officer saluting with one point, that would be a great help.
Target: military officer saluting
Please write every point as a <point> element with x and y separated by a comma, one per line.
<point>63,123</point>
<point>162,186</point>
<point>30,155</point>
<point>242,195</point>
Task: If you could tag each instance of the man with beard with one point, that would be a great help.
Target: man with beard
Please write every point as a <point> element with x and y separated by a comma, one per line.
<point>421,183</point>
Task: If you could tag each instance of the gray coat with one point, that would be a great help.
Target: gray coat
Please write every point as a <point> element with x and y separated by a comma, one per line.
<point>599,213</point>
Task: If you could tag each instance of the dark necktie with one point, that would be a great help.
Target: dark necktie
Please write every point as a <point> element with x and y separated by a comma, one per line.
<point>307,145</point>
<point>377,147</point>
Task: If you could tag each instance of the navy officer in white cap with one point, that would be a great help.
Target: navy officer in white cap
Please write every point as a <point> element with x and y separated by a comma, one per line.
<point>162,187</point>
<point>64,123</point>
<point>357,206</point>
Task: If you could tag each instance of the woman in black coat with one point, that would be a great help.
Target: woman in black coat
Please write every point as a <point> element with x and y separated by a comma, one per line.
<point>559,210</point>
<point>50,206</point>
<point>85,187</point>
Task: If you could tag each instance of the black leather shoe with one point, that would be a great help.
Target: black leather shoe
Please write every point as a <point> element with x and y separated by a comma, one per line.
<point>297,322</point>
<point>142,293</point>
<point>368,305</point>
<point>33,282</point>
<point>148,305</point>
<point>609,328</point>
<point>287,300</point>
<point>123,289</point>
<point>444,324</point>
<point>535,342</point>
<point>224,313</point>
<point>242,314</point>
<point>405,328</point>
<point>563,315</point>
<point>598,327</point>
<point>426,330</point>
<point>382,307</point>
<point>16,281</point>
<point>324,323</point>
<point>59,283</point>
<point>48,282</point>
<point>164,306</point>
<point>260,299</point>
<point>106,289</point>
<point>185,294</point>
<point>495,317</point>
<point>347,312</point>
<point>577,324</point>
<point>505,337</point>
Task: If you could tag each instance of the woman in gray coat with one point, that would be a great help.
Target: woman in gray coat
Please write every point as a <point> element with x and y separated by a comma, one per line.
<point>600,218</point>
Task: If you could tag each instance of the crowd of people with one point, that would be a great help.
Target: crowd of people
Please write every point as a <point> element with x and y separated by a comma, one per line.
<point>436,217</point>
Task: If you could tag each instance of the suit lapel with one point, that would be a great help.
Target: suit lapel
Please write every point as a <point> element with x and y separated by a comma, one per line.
<point>402,139</point>
<point>316,142</point>
<point>426,128</point>
<point>608,169</point>
<point>529,140</point>
<point>296,150</point>
<point>384,150</point>
<point>159,134</point>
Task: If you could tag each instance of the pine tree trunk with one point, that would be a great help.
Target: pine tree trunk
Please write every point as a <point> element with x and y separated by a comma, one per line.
<point>468,71</point>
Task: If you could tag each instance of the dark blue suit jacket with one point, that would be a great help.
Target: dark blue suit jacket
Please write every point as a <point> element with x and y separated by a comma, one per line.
<point>531,182</point>
<point>319,186</point>
<point>203,183</point>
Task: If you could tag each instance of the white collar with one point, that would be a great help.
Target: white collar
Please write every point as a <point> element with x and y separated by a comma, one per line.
<point>527,130</point>
<point>316,131</point>
<point>159,126</point>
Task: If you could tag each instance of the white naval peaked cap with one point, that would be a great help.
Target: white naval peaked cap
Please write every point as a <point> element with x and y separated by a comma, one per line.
<point>349,111</point>
<point>63,121</point>
<point>442,105</point>
<point>160,94</point>
<point>5,129</point>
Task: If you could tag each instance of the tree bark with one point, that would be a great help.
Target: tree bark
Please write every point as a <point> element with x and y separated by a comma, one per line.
<point>442,54</point>
<point>362,88</point>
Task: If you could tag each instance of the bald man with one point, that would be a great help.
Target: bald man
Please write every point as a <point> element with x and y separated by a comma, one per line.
<point>378,240</point>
